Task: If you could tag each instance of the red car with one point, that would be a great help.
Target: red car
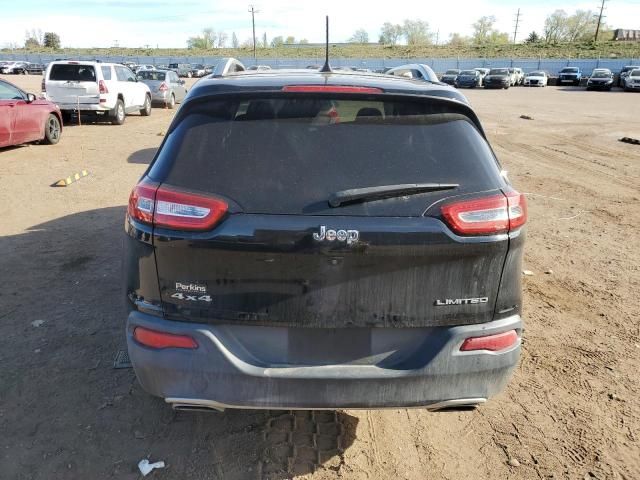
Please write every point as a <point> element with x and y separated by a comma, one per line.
<point>25,118</point>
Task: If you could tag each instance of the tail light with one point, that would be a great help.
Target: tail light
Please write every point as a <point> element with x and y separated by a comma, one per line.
<point>142,202</point>
<point>329,89</point>
<point>102,87</point>
<point>163,87</point>
<point>488,215</point>
<point>43,86</point>
<point>174,209</point>
<point>492,343</point>
<point>156,339</point>
<point>186,211</point>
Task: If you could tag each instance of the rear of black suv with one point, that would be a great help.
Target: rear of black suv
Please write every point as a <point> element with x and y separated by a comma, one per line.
<point>324,241</point>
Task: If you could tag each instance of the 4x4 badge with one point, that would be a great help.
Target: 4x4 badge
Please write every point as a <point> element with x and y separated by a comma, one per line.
<point>349,236</point>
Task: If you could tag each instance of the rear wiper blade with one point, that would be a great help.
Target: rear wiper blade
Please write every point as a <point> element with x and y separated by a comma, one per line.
<point>366,194</point>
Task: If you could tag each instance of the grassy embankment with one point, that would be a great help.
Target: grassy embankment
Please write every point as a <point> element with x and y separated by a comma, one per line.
<point>607,49</point>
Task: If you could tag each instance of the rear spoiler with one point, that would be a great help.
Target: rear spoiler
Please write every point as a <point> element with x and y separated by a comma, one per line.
<point>226,66</point>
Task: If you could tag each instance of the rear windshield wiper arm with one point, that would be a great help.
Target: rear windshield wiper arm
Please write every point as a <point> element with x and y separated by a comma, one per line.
<point>366,194</point>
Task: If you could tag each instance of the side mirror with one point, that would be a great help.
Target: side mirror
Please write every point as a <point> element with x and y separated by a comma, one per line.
<point>31,97</point>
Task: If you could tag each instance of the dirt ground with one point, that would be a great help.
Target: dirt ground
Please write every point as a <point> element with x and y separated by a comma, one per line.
<point>571,411</point>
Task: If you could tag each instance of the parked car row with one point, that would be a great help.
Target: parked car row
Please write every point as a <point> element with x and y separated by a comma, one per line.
<point>21,68</point>
<point>505,77</point>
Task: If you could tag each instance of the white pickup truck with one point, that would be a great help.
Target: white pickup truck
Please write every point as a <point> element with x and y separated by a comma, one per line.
<point>107,89</point>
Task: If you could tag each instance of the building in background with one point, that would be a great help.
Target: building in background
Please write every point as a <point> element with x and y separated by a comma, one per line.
<point>626,35</point>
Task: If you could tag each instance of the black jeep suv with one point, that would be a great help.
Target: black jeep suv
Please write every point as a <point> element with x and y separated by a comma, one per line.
<point>324,240</point>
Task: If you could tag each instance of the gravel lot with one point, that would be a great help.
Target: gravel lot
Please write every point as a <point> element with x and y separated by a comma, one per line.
<point>571,411</point>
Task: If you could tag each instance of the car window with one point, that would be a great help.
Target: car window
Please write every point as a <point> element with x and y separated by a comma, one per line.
<point>125,75</point>
<point>416,74</point>
<point>72,73</point>
<point>635,73</point>
<point>283,155</point>
<point>106,72</point>
<point>151,75</point>
<point>9,92</point>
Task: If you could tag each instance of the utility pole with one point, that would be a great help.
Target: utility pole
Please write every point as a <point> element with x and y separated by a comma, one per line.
<point>253,12</point>
<point>515,31</point>
<point>437,36</point>
<point>599,20</point>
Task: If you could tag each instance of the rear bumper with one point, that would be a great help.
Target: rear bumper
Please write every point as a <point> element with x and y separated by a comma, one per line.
<point>289,368</point>
<point>86,107</point>
<point>160,97</point>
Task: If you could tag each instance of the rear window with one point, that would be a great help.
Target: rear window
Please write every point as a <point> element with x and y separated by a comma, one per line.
<point>569,70</point>
<point>73,73</point>
<point>499,71</point>
<point>451,72</point>
<point>151,75</point>
<point>286,156</point>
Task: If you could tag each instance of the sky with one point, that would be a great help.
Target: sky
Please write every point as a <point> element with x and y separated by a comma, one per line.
<point>169,23</point>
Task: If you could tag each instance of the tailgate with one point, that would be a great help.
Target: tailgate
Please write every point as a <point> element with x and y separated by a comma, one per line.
<point>72,84</point>
<point>270,269</point>
<point>282,254</point>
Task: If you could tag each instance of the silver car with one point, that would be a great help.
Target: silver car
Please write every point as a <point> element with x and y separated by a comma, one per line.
<point>166,87</point>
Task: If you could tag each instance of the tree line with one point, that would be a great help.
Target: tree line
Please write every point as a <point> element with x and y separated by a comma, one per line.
<point>211,38</point>
<point>35,38</point>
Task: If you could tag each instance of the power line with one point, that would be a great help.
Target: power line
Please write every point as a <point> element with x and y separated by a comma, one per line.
<point>253,12</point>
<point>515,31</point>
<point>599,20</point>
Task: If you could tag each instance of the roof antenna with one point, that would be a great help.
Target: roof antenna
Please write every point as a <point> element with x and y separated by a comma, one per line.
<point>326,68</point>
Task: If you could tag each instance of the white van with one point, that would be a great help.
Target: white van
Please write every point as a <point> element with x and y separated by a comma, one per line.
<point>107,89</point>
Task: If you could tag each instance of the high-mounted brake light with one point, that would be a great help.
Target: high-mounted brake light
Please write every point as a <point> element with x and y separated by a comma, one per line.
<point>163,87</point>
<point>156,339</point>
<point>487,215</point>
<point>329,89</point>
<point>174,209</point>
<point>493,343</point>
<point>102,87</point>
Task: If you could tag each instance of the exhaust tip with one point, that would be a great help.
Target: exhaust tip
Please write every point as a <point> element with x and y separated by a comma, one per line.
<point>195,408</point>
<point>194,405</point>
<point>457,405</point>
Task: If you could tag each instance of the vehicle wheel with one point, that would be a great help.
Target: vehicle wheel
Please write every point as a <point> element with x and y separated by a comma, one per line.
<point>146,109</point>
<point>172,102</point>
<point>52,130</point>
<point>118,115</point>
